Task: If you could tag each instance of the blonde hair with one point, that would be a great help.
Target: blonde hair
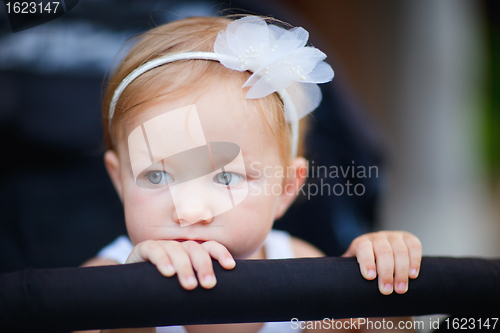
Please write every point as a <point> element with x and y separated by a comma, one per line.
<point>182,77</point>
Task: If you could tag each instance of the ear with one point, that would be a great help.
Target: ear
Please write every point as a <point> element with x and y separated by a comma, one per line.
<point>112,163</point>
<point>291,186</point>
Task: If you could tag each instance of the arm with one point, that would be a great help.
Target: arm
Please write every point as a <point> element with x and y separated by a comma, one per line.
<point>99,262</point>
<point>130,330</point>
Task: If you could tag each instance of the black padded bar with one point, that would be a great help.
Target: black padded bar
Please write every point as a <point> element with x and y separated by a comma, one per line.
<point>137,295</point>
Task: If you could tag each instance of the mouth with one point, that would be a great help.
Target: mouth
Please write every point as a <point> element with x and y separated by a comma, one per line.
<point>199,241</point>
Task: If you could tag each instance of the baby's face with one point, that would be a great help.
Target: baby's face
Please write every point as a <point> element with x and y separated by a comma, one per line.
<point>202,167</point>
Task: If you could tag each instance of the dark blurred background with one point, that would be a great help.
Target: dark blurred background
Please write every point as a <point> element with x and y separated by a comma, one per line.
<point>416,94</point>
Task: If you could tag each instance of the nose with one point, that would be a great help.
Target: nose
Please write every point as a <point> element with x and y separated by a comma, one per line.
<point>188,217</point>
<point>192,203</point>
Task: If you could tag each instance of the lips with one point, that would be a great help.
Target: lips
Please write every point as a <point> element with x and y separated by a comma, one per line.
<point>199,241</point>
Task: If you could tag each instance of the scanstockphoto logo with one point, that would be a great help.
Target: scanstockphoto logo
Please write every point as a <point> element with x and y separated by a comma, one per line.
<point>332,180</point>
<point>28,14</point>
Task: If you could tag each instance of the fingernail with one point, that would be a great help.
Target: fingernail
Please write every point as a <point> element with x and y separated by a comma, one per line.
<point>191,280</point>
<point>413,272</point>
<point>371,273</point>
<point>230,262</point>
<point>402,286</point>
<point>169,270</point>
<point>209,281</point>
<point>388,287</point>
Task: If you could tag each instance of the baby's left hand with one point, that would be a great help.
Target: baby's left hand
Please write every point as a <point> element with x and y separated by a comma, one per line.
<point>397,253</point>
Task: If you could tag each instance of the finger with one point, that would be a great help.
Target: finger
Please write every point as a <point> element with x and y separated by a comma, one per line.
<point>385,265</point>
<point>152,251</point>
<point>401,262</point>
<point>139,253</point>
<point>415,254</point>
<point>351,252</point>
<point>202,263</point>
<point>160,258</point>
<point>220,253</point>
<point>182,264</point>
<point>363,250</point>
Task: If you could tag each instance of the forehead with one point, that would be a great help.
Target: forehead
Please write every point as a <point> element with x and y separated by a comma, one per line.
<point>223,113</point>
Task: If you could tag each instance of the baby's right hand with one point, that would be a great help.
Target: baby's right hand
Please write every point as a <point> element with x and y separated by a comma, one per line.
<point>172,257</point>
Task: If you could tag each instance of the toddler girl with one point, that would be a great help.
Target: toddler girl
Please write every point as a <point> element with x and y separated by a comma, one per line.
<point>202,125</point>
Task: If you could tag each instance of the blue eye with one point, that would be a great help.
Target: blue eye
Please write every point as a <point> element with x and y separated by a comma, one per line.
<point>228,178</point>
<point>159,177</point>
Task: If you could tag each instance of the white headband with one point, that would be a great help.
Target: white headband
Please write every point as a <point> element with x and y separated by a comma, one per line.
<point>278,58</point>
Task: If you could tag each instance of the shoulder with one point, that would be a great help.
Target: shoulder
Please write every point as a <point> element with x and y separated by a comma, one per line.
<point>303,249</point>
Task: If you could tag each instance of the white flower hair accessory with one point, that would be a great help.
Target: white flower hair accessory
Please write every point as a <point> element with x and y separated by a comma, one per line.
<point>278,59</point>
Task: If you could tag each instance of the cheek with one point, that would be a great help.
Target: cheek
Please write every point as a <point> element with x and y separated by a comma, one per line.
<point>264,194</point>
<point>144,210</point>
<point>251,221</point>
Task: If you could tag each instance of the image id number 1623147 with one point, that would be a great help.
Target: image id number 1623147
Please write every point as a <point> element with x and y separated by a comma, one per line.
<point>471,323</point>
<point>32,7</point>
